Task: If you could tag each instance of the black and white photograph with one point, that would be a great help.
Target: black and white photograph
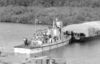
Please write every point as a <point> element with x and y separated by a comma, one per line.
<point>49,31</point>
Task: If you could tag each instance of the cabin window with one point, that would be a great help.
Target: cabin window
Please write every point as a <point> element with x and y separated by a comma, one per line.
<point>82,34</point>
<point>67,33</point>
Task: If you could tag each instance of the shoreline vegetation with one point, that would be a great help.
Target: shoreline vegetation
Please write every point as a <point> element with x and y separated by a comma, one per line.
<point>68,11</point>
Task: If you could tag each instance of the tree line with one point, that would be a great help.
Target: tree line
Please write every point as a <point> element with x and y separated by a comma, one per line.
<point>51,3</point>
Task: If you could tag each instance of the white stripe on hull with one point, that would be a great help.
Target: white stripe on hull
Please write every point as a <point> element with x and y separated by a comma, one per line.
<point>37,50</point>
<point>41,49</point>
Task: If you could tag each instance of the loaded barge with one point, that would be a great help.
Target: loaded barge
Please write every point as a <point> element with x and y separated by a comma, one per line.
<point>83,31</point>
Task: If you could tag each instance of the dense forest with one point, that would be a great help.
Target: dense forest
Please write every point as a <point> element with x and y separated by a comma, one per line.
<point>52,3</point>
<point>68,11</point>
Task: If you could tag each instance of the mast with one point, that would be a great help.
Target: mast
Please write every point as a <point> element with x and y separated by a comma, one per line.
<point>59,25</point>
<point>53,26</point>
<point>36,20</point>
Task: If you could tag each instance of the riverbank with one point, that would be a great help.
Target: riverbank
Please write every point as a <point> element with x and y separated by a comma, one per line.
<point>27,15</point>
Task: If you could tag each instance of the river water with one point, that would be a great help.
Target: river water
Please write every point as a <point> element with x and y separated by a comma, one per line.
<point>86,53</point>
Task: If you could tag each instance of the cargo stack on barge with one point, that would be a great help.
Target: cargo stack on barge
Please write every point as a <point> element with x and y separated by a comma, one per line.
<point>83,31</point>
<point>44,40</point>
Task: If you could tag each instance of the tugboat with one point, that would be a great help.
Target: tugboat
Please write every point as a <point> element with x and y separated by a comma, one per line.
<point>44,40</point>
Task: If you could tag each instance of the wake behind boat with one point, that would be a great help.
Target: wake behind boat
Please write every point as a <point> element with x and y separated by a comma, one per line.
<point>44,40</point>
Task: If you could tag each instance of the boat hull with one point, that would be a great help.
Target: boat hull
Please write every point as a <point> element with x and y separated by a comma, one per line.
<point>41,49</point>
